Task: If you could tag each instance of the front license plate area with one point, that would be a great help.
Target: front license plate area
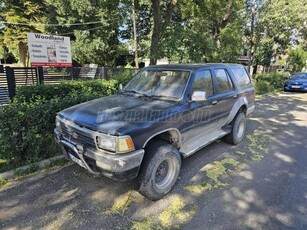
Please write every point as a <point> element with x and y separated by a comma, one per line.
<point>296,86</point>
<point>76,160</point>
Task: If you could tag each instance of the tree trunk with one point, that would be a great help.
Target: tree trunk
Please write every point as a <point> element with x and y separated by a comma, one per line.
<point>223,23</point>
<point>136,58</point>
<point>22,53</point>
<point>154,46</point>
<point>217,37</point>
<point>159,27</point>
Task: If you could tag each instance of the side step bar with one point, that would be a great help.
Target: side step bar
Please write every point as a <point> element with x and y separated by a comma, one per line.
<point>189,148</point>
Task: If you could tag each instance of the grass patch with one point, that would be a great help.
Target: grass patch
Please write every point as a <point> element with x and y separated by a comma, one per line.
<point>175,214</point>
<point>240,153</point>
<point>23,172</point>
<point>143,225</point>
<point>258,145</point>
<point>3,181</point>
<point>219,168</point>
<point>33,167</point>
<point>57,163</point>
<point>198,189</point>
<point>121,204</point>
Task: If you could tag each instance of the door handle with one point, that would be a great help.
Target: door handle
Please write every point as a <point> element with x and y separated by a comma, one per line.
<point>214,102</point>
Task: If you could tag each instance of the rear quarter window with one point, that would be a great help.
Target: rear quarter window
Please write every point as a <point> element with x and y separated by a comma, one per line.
<point>241,75</point>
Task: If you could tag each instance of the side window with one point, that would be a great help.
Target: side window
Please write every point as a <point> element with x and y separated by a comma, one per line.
<point>224,83</point>
<point>203,82</point>
<point>240,75</point>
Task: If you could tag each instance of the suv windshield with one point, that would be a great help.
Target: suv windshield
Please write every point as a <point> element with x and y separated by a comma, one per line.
<point>168,84</point>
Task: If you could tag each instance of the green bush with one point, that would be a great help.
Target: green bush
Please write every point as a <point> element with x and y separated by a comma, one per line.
<point>274,80</point>
<point>263,87</point>
<point>67,88</point>
<point>27,123</point>
<point>124,77</point>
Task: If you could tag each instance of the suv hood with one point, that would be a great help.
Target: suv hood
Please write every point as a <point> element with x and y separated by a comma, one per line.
<point>111,113</point>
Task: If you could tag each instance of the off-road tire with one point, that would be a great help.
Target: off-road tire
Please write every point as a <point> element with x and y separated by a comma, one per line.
<point>238,130</point>
<point>158,155</point>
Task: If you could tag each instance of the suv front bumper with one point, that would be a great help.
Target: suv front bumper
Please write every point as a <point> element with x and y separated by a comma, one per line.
<point>118,167</point>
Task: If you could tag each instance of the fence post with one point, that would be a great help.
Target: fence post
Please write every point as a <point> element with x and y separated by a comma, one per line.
<point>71,73</point>
<point>105,73</point>
<point>40,74</point>
<point>11,83</point>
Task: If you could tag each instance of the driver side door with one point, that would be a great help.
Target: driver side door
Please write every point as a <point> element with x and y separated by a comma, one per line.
<point>201,116</point>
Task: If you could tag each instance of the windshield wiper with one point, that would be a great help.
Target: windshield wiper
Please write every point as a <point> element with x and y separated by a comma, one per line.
<point>163,96</point>
<point>135,92</point>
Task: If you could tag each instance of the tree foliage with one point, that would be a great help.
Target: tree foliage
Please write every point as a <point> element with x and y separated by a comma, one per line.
<point>21,11</point>
<point>297,59</point>
<point>91,43</point>
<point>179,30</point>
<point>264,52</point>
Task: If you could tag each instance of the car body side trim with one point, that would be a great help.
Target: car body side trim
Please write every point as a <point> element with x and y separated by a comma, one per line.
<point>250,110</point>
<point>240,102</point>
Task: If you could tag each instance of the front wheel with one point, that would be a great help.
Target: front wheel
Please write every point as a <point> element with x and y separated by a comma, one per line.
<point>160,170</point>
<point>238,130</point>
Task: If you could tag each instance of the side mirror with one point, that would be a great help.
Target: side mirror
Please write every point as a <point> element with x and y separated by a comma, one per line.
<point>121,86</point>
<point>199,96</point>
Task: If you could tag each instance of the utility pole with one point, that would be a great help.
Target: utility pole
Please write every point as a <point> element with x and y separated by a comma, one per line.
<point>251,36</point>
<point>135,38</point>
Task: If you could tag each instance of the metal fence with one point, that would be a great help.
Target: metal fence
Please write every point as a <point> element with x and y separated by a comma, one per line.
<point>12,77</point>
<point>4,92</point>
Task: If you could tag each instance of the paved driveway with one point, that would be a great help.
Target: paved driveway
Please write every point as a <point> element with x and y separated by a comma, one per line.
<point>259,184</point>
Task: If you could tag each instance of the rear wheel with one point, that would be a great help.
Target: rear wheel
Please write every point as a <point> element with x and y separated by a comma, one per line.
<point>160,170</point>
<point>238,130</point>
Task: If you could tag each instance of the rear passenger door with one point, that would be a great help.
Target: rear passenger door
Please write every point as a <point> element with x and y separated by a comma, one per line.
<point>226,93</point>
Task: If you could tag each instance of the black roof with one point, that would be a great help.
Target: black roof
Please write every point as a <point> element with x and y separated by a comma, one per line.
<point>191,66</point>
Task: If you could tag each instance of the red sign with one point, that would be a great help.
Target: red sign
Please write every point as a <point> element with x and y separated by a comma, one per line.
<point>51,64</point>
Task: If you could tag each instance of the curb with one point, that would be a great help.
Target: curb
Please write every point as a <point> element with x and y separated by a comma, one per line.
<point>41,164</point>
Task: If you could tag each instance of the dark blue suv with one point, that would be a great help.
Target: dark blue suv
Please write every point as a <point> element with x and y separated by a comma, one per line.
<point>165,113</point>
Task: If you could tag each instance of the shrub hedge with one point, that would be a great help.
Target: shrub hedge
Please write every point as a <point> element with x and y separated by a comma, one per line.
<point>269,82</point>
<point>27,123</point>
<point>67,88</point>
<point>124,78</point>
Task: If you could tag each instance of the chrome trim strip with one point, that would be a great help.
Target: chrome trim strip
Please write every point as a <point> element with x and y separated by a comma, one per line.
<point>217,126</point>
<point>211,140</point>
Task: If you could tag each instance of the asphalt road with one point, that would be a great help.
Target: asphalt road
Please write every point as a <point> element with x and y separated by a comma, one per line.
<point>259,184</point>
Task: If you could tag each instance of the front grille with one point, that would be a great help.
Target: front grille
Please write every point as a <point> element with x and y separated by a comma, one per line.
<point>69,132</point>
<point>296,83</point>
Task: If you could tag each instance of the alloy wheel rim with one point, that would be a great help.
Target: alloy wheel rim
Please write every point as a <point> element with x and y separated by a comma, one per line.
<point>241,129</point>
<point>165,174</point>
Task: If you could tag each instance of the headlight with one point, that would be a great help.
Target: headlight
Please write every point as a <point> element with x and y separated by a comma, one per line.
<point>57,123</point>
<point>115,144</point>
<point>107,143</point>
<point>124,144</point>
<point>305,84</point>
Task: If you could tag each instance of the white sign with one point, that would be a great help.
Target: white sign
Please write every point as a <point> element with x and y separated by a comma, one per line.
<point>49,50</point>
